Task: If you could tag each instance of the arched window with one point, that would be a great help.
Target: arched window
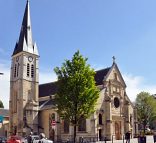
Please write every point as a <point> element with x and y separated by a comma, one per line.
<point>100,119</point>
<point>29,95</point>
<point>15,70</point>
<point>18,69</point>
<point>66,126</point>
<point>53,116</point>
<point>28,69</point>
<point>52,121</point>
<point>32,71</point>
<point>82,124</point>
<point>131,119</point>
<point>15,102</point>
<point>115,76</point>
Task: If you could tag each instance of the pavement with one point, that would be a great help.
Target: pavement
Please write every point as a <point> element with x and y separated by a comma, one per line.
<point>149,139</point>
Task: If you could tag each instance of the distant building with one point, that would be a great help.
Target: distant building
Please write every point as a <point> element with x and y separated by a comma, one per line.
<point>32,106</point>
<point>4,122</point>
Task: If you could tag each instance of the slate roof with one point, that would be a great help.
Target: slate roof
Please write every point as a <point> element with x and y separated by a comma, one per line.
<point>51,88</point>
<point>4,112</point>
<point>23,33</point>
<point>25,42</point>
<point>47,89</point>
<point>47,104</point>
<point>100,74</point>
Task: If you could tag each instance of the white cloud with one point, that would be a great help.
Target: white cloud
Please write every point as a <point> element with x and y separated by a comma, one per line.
<point>136,84</point>
<point>45,77</point>
<point>5,84</point>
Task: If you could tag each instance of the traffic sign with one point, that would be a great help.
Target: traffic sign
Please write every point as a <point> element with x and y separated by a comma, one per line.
<point>53,123</point>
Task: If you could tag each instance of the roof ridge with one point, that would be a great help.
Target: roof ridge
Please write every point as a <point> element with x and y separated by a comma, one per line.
<point>44,103</point>
<point>48,83</point>
<point>102,69</point>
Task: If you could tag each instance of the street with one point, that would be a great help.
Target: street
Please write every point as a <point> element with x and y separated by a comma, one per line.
<point>149,139</point>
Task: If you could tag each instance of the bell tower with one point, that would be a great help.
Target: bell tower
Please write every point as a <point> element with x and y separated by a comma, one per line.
<point>24,78</point>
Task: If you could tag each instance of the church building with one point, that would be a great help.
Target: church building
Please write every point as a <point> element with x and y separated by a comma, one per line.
<point>32,106</point>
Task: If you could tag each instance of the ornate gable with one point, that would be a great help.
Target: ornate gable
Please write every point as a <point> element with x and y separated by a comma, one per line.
<point>114,76</point>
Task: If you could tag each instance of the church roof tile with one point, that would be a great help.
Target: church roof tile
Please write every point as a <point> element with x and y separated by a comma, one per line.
<point>51,88</point>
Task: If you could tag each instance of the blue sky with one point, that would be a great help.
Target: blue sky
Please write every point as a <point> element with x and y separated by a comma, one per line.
<point>100,29</point>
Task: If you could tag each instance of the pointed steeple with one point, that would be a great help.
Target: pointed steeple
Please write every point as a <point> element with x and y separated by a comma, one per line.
<point>25,42</point>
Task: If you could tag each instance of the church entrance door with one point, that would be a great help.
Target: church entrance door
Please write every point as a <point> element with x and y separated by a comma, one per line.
<point>117,131</point>
<point>100,134</point>
<point>52,134</point>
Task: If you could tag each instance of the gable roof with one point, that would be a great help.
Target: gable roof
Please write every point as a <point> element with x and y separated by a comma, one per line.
<point>47,104</point>
<point>51,88</point>
<point>114,65</point>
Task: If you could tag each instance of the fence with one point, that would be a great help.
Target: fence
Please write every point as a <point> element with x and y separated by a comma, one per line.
<point>149,139</point>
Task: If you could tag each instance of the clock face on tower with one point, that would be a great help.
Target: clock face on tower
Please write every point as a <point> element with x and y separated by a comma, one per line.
<point>30,58</point>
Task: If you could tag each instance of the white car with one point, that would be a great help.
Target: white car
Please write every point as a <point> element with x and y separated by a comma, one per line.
<point>36,139</point>
<point>44,140</point>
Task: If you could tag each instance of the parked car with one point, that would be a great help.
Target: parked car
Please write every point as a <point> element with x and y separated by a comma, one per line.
<point>147,131</point>
<point>36,139</point>
<point>44,140</point>
<point>3,139</point>
<point>16,139</point>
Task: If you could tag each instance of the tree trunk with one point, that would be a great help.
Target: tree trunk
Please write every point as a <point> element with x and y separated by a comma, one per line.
<point>144,126</point>
<point>75,122</point>
<point>74,133</point>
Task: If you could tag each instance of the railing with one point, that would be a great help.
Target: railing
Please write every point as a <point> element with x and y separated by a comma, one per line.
<point>91,140</point>
<point>84,140</point>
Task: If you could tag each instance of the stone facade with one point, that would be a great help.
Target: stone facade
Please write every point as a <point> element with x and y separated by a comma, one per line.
<point>114,116</point>
<point>23,102</point>
<point>32,106</point>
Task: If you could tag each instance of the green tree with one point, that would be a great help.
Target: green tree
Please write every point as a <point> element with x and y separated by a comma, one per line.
<point>1,104</point>
<point>146,109</point>
<point>77,93</point>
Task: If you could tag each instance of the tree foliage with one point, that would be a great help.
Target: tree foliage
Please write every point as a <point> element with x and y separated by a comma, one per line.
<point>146,109</point>
<point>77,93</point>
<point>1,104</point>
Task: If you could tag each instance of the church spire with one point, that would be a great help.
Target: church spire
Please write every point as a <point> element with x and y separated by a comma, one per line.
<point>26,26</point>
<point>25,42</point>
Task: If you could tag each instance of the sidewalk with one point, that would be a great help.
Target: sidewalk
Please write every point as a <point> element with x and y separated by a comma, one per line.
<point>149,139</point>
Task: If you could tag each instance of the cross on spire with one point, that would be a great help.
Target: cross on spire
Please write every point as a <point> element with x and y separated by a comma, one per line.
<point>113,59</point>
